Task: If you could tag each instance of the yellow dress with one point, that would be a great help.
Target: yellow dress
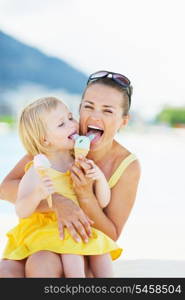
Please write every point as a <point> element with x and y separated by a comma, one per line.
<point>40,230</point>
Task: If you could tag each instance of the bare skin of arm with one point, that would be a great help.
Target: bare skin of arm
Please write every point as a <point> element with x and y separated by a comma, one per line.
<point>9,186</point>
<point>68,213</point>
<point>112,220</point>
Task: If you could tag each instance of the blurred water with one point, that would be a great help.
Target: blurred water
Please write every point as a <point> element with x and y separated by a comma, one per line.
<point>11,150</point>
<point>156,226</point>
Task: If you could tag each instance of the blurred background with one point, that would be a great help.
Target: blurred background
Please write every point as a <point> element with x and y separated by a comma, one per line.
<point>50,48</point>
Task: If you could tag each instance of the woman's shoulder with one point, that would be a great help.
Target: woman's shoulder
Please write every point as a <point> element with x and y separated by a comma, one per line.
<point>125,164</point>
<point>120,153</point>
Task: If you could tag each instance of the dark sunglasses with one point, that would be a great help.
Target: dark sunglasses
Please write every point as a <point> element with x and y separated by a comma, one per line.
<point>120,79</point>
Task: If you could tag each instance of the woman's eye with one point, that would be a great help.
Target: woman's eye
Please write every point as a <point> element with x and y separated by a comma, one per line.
<point>109,111</point>
<point>61,125</point>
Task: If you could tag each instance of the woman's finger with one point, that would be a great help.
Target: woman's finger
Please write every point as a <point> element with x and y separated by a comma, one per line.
<point>81,231</point>
<point>87,225</point>
<point>75,178</point>
<point>79,174</point>
<point>73,231</point>
<point>89,220</point>
<point>61,230</point>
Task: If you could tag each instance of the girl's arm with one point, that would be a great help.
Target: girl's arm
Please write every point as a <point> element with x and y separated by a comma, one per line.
<point>69,214</point>
<point>31,191</point>
<point>102,190</point>
<point>123,194</point>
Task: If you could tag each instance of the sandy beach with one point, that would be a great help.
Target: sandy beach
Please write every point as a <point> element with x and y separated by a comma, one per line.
<point>153,237</point>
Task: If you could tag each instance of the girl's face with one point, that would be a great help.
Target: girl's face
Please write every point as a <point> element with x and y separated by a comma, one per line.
<point>60,128</point>
<point>101,113</point>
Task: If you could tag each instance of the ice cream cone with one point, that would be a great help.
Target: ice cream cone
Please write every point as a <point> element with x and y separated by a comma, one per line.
<point>81,151</point>
<point>43,172</point>
<point>41,164</point>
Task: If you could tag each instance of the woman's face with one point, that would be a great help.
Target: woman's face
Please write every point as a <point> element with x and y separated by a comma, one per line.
<point>101,113</point>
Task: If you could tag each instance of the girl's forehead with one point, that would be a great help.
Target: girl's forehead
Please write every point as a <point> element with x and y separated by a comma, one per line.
<point>59,111</point>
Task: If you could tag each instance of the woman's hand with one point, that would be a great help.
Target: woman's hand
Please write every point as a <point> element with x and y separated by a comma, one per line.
<point>71,216</point>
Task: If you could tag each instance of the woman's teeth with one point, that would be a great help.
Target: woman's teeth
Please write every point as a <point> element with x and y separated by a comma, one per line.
<point>94,130</point>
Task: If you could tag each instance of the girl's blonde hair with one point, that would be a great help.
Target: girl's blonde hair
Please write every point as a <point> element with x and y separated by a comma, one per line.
<point>32,128</point>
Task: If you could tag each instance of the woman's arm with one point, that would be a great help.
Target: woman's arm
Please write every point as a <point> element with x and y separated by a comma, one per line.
<point>9,186</point>
<point>123,195</point>
<point>32,189</point>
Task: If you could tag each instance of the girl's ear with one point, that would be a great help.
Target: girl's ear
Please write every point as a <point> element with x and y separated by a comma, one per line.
<point>45,141</point>
<point>80,107</point>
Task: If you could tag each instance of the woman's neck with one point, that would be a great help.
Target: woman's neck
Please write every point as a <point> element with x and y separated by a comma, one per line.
<point>101,153</point>
<point>61,161</point>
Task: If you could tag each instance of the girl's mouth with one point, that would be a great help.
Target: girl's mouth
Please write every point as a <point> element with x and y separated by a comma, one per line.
<point>72,135</point>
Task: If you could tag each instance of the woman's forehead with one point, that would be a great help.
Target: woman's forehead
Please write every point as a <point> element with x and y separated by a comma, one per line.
<point>99,94</point>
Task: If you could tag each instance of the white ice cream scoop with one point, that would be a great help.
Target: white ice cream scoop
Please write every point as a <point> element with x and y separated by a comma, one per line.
<point>41,163</point>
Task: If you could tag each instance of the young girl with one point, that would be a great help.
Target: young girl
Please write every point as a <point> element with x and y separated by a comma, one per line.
<point>46,126</point>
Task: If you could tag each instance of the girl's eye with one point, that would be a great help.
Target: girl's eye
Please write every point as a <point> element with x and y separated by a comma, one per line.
<point>87,106</point>
<point>61,125</point>
<point>70,118</point>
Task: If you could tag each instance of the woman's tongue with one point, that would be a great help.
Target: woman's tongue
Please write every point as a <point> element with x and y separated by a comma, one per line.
<point>97,134</point>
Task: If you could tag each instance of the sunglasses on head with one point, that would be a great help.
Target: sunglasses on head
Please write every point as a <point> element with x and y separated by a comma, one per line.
<point>120,79</point>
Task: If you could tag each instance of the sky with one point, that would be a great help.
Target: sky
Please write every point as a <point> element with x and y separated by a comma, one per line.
<point>142,39</point>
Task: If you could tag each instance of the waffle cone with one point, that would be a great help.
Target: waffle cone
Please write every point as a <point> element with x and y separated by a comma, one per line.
<point>80,151</point>
<point>43,172</point>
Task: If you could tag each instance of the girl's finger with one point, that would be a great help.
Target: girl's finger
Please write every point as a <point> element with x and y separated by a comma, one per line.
<point>93,177</point>
<point>91,172</point>
<point>85,166</point>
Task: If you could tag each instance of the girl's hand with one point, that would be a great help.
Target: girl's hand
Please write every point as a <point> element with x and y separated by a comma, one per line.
<point>94,173</point>
<point>45,187</point>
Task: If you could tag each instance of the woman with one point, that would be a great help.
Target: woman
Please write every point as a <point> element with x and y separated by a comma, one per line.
<point>103,111</point>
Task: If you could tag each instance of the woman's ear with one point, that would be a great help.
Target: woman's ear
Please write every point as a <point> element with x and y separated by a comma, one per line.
<point>125,121</point>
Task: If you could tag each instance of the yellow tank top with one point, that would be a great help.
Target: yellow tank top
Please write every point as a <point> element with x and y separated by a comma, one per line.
<point>120,170</point>
<point>63,183</point>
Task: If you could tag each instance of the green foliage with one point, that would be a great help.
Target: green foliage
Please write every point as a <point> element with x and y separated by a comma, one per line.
<point>7,119</point>
<point>172,116</point>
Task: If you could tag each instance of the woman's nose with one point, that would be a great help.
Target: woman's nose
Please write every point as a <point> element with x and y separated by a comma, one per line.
<point>96,115</point>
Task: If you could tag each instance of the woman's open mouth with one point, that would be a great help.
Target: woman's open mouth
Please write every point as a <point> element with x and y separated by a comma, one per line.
<point>97,131</point>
